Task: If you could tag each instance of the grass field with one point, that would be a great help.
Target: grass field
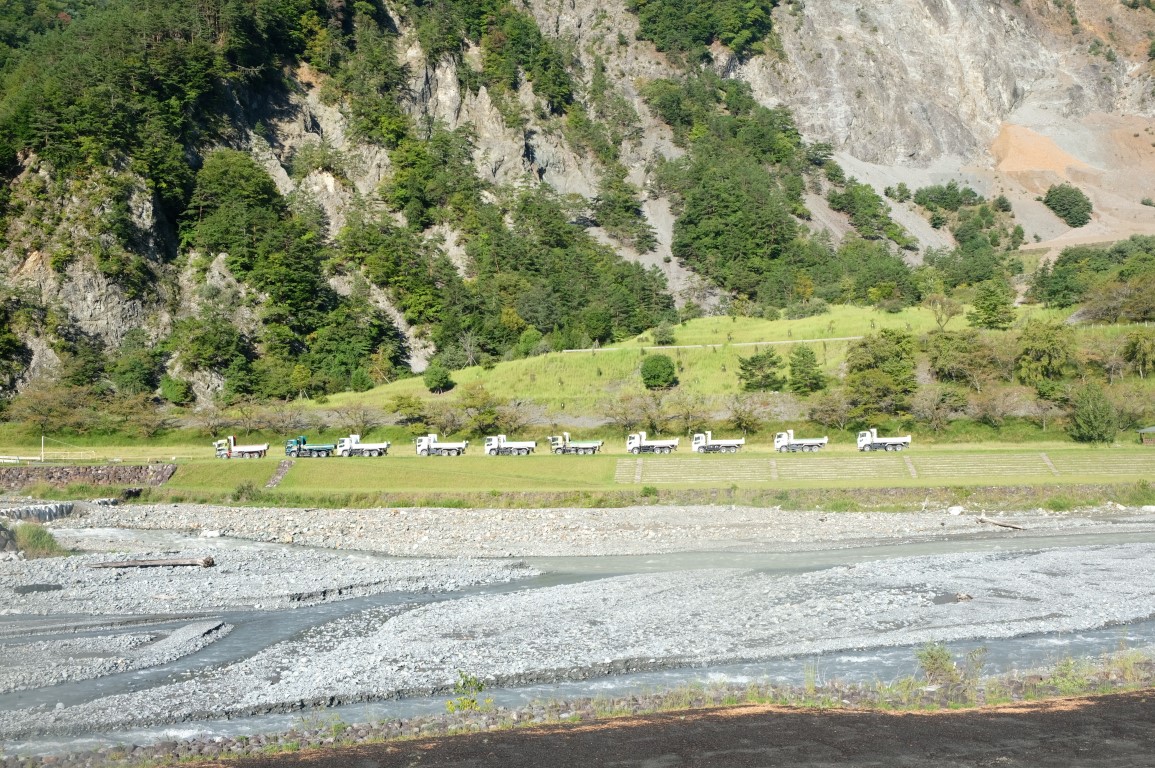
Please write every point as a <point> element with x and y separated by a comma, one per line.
<point>480,477</point>
<point>706,353</point>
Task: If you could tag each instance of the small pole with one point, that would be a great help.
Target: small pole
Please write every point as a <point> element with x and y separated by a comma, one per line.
<point>41,447</point>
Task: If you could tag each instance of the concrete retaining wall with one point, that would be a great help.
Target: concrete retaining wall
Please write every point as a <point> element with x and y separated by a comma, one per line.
<point>14,478</point>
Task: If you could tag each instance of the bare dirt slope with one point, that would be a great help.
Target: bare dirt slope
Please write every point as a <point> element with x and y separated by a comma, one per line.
<point>1104,732</point>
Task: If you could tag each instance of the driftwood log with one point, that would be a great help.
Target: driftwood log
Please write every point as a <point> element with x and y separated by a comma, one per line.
<point>1001,525</point>
<point>202,562</point>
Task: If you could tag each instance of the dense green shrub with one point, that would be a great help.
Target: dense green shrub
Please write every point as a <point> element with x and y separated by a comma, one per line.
<point>810,308</point>
<point>881,375</point>
<point>1093,418</point>
<point>1114,275</point>
<point>658,372</point>
<point>949,196</point>
<point>689,26</point>
<point>759,372</point>
<point>868,212</point>
<point>1069,203</point>
<point>176,391</point>
<point>437,378</point>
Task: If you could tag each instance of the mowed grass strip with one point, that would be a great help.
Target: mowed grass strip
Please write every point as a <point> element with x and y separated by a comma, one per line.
<point>451,473</point>
<point>1105,462</point>
<point>804,470</point>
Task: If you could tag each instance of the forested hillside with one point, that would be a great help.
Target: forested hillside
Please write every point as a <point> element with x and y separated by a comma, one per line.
<point>237,200</point>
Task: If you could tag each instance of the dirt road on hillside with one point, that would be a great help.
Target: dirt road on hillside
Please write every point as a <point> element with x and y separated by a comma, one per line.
<point>1101,732</point>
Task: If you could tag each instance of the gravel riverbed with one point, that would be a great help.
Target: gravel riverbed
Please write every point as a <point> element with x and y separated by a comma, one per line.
<point>433,532</point>
<point>262,579</point>
<point>545,631</point>
<point>50,662</point>
<point>644,621</point>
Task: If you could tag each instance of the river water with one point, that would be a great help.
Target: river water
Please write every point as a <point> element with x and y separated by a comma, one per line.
<point>256,630</point>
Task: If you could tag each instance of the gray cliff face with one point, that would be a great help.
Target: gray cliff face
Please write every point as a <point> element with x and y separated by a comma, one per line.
<point>912,81</point>
<point>50,254</point>
<point>899,87</point>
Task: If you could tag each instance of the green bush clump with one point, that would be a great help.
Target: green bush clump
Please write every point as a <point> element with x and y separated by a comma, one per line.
<point>1069,203</point>
<point>950,196</point>
<point>801,309</point>
<point>659,372</point>
<point>437,379</point>
<point>690,26</point>
<point>35,540</point>
<point>1093,417</point>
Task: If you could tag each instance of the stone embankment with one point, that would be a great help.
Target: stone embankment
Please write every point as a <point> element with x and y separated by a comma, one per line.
<point>15,478</point>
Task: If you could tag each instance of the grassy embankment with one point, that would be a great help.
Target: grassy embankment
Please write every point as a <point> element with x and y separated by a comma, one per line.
<point>571,385</point>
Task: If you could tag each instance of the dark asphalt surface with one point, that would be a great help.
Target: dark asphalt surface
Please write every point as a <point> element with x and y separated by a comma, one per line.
<point>1114,731</point>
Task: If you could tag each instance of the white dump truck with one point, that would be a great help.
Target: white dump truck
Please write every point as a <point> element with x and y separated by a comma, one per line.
<point>785,442</point>
<point>499,445</point>
<point>704,442</point>
<point>352,446</point>
<point>639,443</point>
<point>560,444</point>
<point>228,449</point>
<point>868,440</point>
<point>427,445</point>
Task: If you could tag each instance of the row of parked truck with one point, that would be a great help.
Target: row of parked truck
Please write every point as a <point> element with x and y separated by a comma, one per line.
<point>500,445</point>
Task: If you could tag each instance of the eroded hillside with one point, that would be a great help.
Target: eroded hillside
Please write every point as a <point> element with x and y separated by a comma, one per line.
<point>472,181</point>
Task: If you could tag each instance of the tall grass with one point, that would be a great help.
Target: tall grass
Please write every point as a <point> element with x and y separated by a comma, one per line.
<point>35,541</point>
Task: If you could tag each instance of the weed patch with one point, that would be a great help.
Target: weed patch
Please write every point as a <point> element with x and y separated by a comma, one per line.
<point>37,541</point>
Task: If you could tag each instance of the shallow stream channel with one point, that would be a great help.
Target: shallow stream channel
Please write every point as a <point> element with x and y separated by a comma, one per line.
<point>562,628</point>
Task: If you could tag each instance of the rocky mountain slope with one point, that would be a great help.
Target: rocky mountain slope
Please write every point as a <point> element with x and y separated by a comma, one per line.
<point>1007,97</point>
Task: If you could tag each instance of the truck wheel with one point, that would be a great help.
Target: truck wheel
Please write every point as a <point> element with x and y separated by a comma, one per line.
<point>733,449</point>
<point>453,453</point>
<point>635,451</point>
<point>557,451</point>
<point>423,452</point>
<point>889,448</point>
<point>899,447</point>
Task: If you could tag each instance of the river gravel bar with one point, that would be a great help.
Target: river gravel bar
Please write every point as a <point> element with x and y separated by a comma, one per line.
<point>645,621</point>
<point>642,530</point>
<point>268,579</point>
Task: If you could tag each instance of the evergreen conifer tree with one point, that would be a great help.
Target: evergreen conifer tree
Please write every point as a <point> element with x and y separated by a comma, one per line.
<point>994,306</point>
<point>805,375</point>
<point>759,372</point>
<point>1093,417</point>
